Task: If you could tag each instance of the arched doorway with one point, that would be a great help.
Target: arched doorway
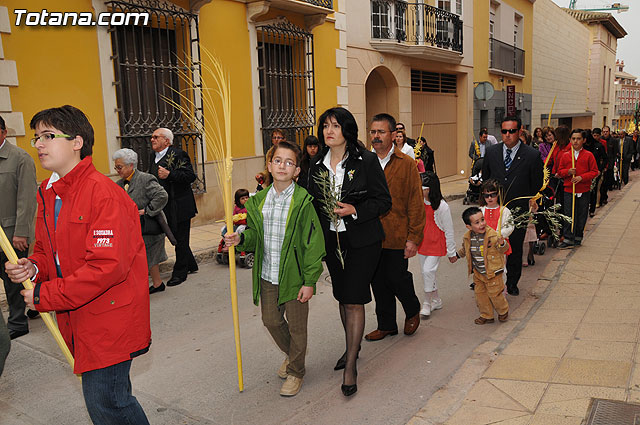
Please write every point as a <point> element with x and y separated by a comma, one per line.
<point>381,91</point>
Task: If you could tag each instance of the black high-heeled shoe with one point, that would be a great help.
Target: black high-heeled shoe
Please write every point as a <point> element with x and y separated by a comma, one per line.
<point>349,390</point>
<point>342,361</point>
<point>531,261</point>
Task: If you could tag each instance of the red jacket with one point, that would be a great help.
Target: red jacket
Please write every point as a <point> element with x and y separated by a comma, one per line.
<point>102,300</point>
<point>586,167</point>
<point>557,154</point>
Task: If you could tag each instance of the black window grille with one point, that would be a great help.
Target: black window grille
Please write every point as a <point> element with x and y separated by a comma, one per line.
<point>147,62</point>
<point>287,85</point>
<point>433,82</point>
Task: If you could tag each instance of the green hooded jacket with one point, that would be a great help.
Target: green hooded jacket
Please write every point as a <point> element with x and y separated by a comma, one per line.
<point>302,247</point>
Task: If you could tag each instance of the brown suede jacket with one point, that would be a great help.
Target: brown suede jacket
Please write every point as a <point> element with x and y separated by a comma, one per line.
<point>406,219</point>
<point>493,252</point>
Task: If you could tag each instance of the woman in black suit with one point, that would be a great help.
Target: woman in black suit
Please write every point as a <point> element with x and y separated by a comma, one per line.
<point>357,176</point>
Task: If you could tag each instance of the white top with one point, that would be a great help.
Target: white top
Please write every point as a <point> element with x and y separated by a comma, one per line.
<point>337,179</point>
<point>160,154</point>
<point>384,161</point>
<point>507,221</point>
<point>491,140</point>
<point>408,150</point>
<point>444,222</point>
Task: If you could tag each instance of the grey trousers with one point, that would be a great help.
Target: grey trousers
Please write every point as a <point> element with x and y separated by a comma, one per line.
<point>17,320</point>
<point>5,342</point>
<point>290,335</point>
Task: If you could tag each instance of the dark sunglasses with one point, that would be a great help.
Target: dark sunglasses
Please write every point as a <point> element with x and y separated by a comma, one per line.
<point>489,195</point>
<point>510,130</point>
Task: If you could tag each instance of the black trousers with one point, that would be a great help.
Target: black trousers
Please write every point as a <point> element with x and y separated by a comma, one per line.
<point>17,320</point>
<point>625,170</point>
<point>514,260</point>
<point>580,219</point>
<point>593,198</point>
<point>606,185</point>
<point>393,279</point>
<point>184,257</point>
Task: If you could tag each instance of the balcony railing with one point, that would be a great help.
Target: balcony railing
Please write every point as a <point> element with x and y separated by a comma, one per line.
<point>415,24</point>
<point>322,3</point>
<point>505,57</point>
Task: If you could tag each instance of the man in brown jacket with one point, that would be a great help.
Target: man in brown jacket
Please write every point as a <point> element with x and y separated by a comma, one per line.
<point>403,227</point>
<point>17,216</point>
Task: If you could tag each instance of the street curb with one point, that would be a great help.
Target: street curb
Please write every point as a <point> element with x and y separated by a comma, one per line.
<point>449,398</point>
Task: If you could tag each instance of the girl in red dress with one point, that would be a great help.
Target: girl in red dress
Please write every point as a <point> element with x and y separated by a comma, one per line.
<point>438,240</point>
<point>491,210</point>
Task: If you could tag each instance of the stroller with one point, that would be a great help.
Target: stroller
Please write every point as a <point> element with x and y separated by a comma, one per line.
<point>617,177</point>
<point>543,230</point>
<point>243,259</point>
<point>475,183</point>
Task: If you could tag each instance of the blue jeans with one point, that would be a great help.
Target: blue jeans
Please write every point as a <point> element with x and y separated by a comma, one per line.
<point>107,395</point>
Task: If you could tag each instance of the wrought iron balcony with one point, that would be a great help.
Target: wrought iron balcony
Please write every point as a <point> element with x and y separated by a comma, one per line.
<point>505,58</point>
<point>395,22</point>
<point>322,3</point>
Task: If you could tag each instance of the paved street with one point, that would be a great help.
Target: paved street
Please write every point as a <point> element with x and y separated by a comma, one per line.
<point>189,376</point>
<point>576,339</point>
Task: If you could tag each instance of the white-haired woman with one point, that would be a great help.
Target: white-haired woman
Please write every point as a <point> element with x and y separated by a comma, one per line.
<point>150,198</point>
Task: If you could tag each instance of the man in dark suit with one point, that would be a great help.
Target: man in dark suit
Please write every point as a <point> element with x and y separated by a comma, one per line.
<point>518,168</point>
<point>613,152</point>
<point>627,152</point>
<point>172,167</point>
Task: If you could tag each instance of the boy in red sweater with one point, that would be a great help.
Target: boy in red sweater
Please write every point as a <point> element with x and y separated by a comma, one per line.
<point>579,171</point>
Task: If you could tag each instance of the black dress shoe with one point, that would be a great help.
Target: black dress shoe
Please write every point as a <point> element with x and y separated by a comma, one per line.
<point>32,314</point>
<point>174,281</point>
<point>194,270</point>
<point>513,291</point>
<point>17,334</point>
<point>153,289</point>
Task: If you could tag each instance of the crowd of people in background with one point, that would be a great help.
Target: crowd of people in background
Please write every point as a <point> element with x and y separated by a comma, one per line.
<point>334,201</point>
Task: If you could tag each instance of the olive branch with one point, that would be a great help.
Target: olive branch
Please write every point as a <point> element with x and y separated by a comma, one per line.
<point>329,203</point>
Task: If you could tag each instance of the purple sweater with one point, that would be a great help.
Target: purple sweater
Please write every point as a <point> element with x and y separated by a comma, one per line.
<point>544,149</point>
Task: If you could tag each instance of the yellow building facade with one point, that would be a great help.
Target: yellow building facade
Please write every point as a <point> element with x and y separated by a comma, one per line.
<point>282,58</point>
<point>502,56</point>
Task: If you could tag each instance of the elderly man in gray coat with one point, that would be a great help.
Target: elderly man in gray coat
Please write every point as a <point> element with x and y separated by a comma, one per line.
<point>18,187</point>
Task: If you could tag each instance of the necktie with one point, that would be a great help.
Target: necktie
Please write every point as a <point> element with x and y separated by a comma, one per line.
<point>56,211</point>
<point>507,159</point>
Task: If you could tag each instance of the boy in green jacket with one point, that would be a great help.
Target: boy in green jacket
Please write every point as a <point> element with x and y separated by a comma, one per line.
<point>283,230</point>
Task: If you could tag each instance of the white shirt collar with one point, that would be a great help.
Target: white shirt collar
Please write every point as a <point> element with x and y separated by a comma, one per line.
<point>160,154</point>
<point>327,161</point>
<point>54,178</point>
<point>513,149</point>
<point>3,142</point>
<point>384,161</point>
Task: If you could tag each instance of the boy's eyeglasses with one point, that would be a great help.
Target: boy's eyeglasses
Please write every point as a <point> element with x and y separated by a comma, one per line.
<point>47,137</point>
<point>490,195</point>
<point>509,130</point>
<point>288,163</point>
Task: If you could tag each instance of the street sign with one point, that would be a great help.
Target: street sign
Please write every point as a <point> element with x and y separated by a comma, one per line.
<point>511,101</point>
<point>484,91</point>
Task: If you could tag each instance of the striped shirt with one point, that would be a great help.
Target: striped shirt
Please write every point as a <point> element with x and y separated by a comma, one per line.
<point>477,256</point>
<point>275,212</point>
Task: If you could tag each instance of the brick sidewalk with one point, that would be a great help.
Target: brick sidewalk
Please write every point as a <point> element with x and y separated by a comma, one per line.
<point>574,338</point>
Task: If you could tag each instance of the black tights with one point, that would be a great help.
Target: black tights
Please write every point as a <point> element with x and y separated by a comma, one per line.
<point>352,316</point>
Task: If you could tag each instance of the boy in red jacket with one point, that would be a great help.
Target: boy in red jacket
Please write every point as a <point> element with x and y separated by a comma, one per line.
<point>89,266</point>
<point>578,171</point>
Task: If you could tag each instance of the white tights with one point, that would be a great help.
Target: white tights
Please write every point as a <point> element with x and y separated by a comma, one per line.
<point>429,266</point>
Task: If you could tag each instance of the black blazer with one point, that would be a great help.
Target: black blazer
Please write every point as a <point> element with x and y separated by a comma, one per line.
<point>364,187</point>
<point>524,177</point>
<point>181,205</point>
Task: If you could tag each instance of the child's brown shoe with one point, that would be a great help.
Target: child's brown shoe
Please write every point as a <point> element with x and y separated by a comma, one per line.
<point>503,317</point>
<point>481,321</point>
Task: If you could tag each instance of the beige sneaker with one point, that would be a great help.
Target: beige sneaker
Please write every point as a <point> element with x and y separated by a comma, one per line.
<point>291,386</point>
<point>282,372</point>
